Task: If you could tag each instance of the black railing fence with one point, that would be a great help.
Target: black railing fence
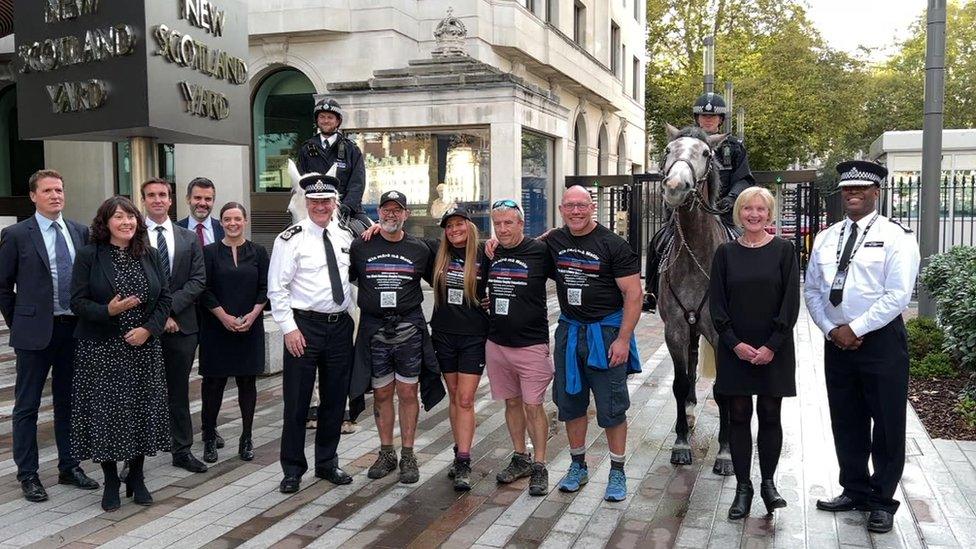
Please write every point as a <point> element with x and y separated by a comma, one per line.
<point>900,199</point>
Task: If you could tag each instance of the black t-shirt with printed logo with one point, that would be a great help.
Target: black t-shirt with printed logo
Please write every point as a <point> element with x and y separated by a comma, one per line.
<point>517,288</point>
<point>455,315</point>
<point>389,273</point>
<point>587,268</point>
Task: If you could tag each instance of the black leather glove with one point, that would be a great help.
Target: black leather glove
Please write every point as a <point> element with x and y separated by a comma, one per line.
<point>725,203</point>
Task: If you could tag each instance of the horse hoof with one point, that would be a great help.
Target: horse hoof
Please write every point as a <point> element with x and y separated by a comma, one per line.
<point>681,456</point>
<point>723,466</point>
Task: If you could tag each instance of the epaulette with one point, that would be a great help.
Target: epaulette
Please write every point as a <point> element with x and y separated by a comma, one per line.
<point>902,227</point>
<point>290,232</point>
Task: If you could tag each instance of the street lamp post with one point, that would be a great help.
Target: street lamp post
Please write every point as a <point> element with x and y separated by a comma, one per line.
<point>729,102</point>
<point>708,66</point>
<point>935,46</point>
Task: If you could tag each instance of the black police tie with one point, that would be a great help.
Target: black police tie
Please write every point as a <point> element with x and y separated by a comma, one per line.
<point>335,281</point>
<point>162,248</point>
<point>837,294</point>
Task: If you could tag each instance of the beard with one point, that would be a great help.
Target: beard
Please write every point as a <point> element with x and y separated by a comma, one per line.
<point>391,226</point>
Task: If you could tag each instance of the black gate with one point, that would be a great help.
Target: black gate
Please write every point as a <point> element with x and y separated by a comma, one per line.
<point>805,211</point>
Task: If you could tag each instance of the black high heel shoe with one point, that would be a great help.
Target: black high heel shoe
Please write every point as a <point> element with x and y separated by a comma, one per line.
<point>769,495</point>
<point>742,503</point>
<point>245,449</point>
<point>110,492</point>
<point>135,483</point>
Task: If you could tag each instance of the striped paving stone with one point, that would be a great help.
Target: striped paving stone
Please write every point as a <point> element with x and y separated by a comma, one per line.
<point>237,504</point>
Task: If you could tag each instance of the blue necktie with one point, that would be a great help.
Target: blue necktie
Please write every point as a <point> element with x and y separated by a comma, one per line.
<point>62,259</point>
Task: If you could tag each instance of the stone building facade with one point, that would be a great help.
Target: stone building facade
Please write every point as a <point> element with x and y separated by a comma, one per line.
<point>452,101</point>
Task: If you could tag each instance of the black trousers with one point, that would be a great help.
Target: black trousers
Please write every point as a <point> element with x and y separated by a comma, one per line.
<point>178,352</point>
<point>329,353</point>
<point>864,386</point>
<point>212,396</point>
<point>32,370</point>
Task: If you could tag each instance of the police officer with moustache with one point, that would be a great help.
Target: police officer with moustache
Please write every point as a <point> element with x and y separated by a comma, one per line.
<point>329,147</point>
<point>709,111</point>
<point>308,287</point>
<point>859,280</point>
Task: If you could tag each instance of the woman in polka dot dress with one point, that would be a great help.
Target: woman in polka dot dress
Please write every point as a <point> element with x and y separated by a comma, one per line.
<point>120,294</point>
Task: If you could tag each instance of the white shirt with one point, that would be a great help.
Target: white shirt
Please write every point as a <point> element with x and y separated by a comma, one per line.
<point>880,277</point>
<point>298,275</point>
<point>208,233</point>
<point>50,241</point>
<point>167,234</point>
<point>328,141</point>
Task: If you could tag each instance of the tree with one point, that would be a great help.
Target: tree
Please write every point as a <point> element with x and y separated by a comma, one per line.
<point>803,100</point>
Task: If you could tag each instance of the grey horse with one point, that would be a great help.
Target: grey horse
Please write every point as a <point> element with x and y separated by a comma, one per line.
<point>690,187</point>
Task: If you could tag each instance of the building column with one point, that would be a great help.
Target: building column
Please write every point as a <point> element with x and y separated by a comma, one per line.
<point>506,162</point>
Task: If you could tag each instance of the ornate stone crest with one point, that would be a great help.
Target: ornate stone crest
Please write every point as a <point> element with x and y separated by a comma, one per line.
<point>450,34</point>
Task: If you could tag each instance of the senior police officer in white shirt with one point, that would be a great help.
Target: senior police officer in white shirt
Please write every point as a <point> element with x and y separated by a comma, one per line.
<point>859,280</point>
<point>308,286</point>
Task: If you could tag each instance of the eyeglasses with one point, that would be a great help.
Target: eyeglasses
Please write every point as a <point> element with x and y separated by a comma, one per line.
<point>577,206</point>
<point>506,203</point>
<point>391,211</point>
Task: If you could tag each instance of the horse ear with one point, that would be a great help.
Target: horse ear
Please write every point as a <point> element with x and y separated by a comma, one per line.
<point>671,131</point>
<point>716,140</point>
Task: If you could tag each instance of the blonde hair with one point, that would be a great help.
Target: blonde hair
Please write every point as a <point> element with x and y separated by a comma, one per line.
<point>470,267</point>
<point>747,196</point>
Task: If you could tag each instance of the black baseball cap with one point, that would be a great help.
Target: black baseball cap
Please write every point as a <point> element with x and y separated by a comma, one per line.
<point>454,212</point>
<point>395,196</point>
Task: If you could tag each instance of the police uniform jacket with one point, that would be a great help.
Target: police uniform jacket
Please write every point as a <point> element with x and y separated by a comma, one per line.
<point>298,275</point>
<point>734,171</point>
<point>316,155</point>
<point>880,277</point>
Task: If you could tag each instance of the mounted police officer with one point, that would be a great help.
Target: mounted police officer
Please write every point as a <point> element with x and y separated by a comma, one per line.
<point>329,147</point>
<point>709,111</point>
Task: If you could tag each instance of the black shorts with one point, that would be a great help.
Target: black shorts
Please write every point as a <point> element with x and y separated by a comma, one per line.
<point>460,354</point>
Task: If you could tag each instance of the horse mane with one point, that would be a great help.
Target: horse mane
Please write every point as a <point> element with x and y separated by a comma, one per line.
<point>714,183</point>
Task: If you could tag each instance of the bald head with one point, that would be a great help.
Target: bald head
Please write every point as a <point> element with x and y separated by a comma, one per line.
<point>577,209</point>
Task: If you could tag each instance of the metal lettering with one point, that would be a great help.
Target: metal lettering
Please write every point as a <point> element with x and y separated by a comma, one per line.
<point>203,14</point>
<point>86,95</point>
<point>185,51</point>
<point>199,101</point>
<point>56,11</point>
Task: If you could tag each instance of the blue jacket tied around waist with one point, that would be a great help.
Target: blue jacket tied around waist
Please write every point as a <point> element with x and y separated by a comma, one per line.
<point>596,348</point>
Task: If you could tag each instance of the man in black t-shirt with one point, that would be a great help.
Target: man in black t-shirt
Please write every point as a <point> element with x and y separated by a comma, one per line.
<point>517,353</point>
<point>598,285</point>
<point>392,329</point>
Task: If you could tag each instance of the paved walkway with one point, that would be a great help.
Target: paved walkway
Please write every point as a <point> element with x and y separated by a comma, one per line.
<point>238,504</point>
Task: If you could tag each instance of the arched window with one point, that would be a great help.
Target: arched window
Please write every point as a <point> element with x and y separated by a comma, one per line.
<point>622,165</point>
<point>18,159</point>
<point>282,120</point>
<point>579,154</point>
<point>603,152</point>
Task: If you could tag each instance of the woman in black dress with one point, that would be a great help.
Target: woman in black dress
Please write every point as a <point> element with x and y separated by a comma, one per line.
<point>232,336</point>
<point>120,293</point>
<point>755,300</point>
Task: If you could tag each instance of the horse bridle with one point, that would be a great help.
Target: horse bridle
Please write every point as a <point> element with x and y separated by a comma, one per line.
<point>696,198</point>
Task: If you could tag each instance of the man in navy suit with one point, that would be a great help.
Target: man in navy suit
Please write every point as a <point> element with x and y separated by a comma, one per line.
<point>200,196</point>
<point>182,256</point>
<point>36,257</point>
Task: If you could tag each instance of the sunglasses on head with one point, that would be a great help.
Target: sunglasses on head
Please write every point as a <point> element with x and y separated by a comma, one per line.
<point>506,203</point>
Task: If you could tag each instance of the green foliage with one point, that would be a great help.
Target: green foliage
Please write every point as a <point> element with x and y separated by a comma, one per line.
<point>933,365</point>
<point>951,279</point>
<point>924,337</point>
<point>967,407</point>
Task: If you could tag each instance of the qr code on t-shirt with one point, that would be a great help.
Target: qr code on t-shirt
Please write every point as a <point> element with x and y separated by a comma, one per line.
<point>575,296</point>
<point>388,299</point>
<point>455,296</point>
<point>501,306</point>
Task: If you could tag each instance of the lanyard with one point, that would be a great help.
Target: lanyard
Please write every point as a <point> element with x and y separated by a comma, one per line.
<point>857,246</point>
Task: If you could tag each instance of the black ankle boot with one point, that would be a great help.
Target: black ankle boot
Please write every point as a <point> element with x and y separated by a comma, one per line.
<point>742,503</point>
<point>110,493</point>
<point>245,448</point>
<point>769,495</point>
<point>210,451</point>
<point>135,483</point>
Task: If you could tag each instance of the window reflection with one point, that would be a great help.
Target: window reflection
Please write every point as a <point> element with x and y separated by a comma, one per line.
<point>282,120</point>
<point>537,151</point>
<point>436,170</point>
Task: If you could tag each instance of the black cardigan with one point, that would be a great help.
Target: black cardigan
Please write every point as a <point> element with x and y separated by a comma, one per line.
<point>93,287</point>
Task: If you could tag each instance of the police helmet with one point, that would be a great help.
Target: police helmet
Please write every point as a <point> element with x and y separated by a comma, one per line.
<point>710,103</point>
<point>327,105</point>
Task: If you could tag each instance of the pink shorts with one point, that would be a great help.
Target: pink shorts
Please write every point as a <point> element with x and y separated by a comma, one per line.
<point>514,372</point>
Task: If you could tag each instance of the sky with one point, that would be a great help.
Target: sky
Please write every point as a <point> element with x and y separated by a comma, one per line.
<point>846,24</point>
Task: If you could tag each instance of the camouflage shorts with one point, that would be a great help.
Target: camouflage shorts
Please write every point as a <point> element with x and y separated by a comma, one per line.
<point>397,355</point>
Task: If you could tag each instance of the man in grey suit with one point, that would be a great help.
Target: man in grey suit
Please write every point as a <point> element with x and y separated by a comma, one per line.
<point>36,258</point>
<point>182,256</point>
<point>201,195</point>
